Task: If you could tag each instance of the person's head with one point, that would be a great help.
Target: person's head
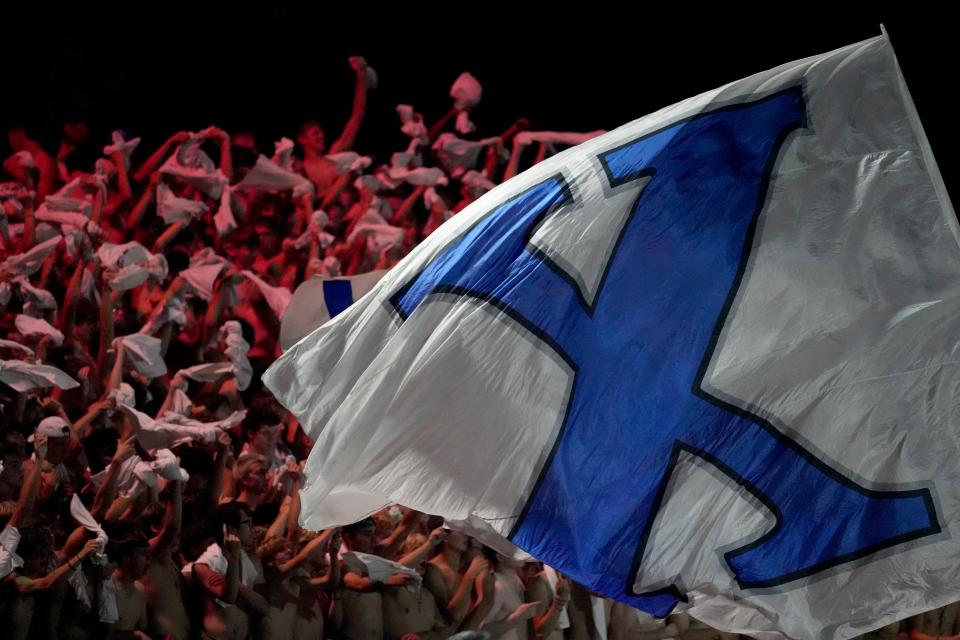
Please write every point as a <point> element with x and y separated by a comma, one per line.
<point>275,551</point>
<point>269,236</point>
<point>311,137</point>
<point>456,541</point>
<point>234,517</point>
<point>132,555</point>
<point>86,325</point>
<point>263,427</point>
<point>251,473</point>
<point>361,536</point>
<point>58,438</point>
<point>37,550</point>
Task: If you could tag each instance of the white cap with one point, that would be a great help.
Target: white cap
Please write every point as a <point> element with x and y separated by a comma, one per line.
<point>52,427</point>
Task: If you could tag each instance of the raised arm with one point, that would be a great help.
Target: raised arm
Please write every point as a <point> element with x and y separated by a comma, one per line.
<point>349,135</point>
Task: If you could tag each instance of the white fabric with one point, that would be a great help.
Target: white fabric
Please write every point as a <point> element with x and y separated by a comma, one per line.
<point>24,376</point>
<point>283,153</point>
<point>308,308</point>
<point>224,219</point>
<point>466,91</point>
<point>376,568</point>
<point>40,299</point>
<point>51,427</point>
<point>454,152</point>
<point>430,177</point>
<point>380,237</point>
<point>121,255</point>
<point>79,512</point>
<point>412,123</point>
<point>210,372</point>
<point>347,161</point>
<point>557,137</point>
<point>201,279</point>
<point>16,346</point>
<point>118,144</point>
<point>191,165</point>
<point>107,609</point>
<point>843,329</point>
<point>37,328</point>
<point>277,297</point>
<point>164,434</point>
<point>181,404</point>
<point>267,175</point>
<point>29,262</point>
<point>144,353</point>
<point>236,350</point>
<point>213,557</point>
<point>207,256</point>
<point>123,396</point>
<point>599,616</point>
<point>173,208</point>
<point>476,182</point>
<point>9,560</point>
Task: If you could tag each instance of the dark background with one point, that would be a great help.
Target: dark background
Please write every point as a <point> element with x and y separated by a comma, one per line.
<point>158,68</point>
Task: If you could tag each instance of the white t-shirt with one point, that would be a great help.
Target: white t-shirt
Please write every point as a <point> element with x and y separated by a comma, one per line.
<point>9,560</point>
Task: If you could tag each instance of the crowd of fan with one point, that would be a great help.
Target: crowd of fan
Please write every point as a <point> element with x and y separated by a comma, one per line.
<point>148,482</point>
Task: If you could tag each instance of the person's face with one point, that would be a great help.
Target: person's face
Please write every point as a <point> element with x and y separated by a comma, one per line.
<point>266,439</point>
<point>269,241</point>
<point>362,540</point>
<point>240,255</point>
<point>313,139</point>
<point>255,481</point>
<point>456,541</point>
<point>57,449</point>
<point>282,556</point>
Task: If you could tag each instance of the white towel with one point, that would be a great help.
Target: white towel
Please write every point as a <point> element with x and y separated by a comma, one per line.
<point>24,376</point>
<point>173,209</point>
<point>277,297</point>
<point>126,147</point>
<point>267,175</point>
<point>29,262</point>
<point>36,328</point>
<point>348,161</point>
<point>143,351</point>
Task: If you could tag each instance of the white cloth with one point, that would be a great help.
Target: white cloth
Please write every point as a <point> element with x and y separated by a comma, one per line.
<point>267,175</point>
<point>29,262</point>
<point>207,256</point>
<point>379,237</point>
<point>224,219</point>
<point>144,354</point>
<point>121,255</point>
<point>277,297</point>
<point>376,568</point>
<point>157,434</point>
<point>16,346</point>
<point>40,299</point>
<point>118,144</point>
<point>466,91</point>
<point>80,513</point>
<point>209,372</point>
<point>173,208</point>
<point>430,177</point>
<point>123,396</point>
<point>599,616</point>
<point>9,560</point>
<point>191,165</point>
<point>213,557</point>
<point>563,618</point>
<point>454,152</point>
<point>283,153</point>
<point>24,376</point>
<point>557,137</point>
<point>347,161</point>
<point>201,279</point>
<point>476,182</point>
<point>107,609</point>
<point>181,404</point>
<point>37,328</point>
<point>236,351</point>
<point>411,122</point>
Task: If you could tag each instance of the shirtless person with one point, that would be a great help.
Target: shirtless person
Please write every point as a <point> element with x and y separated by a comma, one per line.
<point>362,598</point>
<point>322,172</point>
<point>166,614</point>
<point>453,590</point>
<point>132,557</point>
<point>414,609</point>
